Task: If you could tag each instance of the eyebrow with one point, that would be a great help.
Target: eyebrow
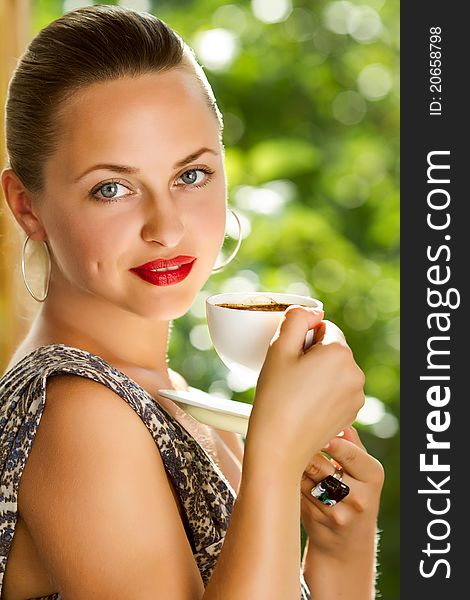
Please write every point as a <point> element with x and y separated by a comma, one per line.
<point>131,170</point>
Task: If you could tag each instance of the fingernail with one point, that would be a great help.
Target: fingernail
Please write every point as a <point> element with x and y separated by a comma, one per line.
<point>326,446</point>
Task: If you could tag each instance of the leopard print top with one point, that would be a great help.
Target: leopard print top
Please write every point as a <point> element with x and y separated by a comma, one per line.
<point>206,495</point>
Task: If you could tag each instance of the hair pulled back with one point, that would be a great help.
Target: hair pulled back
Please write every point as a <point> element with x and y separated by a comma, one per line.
<point>89,45</point>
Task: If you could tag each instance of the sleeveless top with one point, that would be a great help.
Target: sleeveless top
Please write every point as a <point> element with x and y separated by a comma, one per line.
<point>206,495</point>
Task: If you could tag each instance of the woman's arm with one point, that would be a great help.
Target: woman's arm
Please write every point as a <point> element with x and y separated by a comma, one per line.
<point>260,557</point>
<point>96,499</point>
<point>357,567</point>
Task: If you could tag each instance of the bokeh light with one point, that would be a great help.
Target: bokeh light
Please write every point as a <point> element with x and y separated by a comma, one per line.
<point>364,24</point>
<point>198,307</point>
<point>387,427</point>
<point>372,411</point>
<point>69,5</point>
<point>360,313</point>
<point>194,365</point>
<point>139,5</point>
<point>220,389</point>
<point>199,337</point>
<point>371,164</point>
<point>240,383</point>
<point>351,191</point>
<point>239,283</point>
<point>301,25</point>
<point>349,107</point>
<point>230,16</point>
<point>299,287</point>
<point>271,11</point>
<point>336,16</point>
<point>328,275</point>
<point>234,128</point>
<point>374,81</point>
<point>386,294</point>
<point>216,48</point>
<point>263,199</point>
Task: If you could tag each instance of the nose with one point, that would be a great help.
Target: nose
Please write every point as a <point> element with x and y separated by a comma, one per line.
<point>162,223</point>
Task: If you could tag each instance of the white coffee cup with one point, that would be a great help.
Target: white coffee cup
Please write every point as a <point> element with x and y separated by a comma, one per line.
<point>241,337</point>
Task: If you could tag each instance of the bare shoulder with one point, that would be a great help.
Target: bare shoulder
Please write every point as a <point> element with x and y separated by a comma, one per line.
<point>96,500</point>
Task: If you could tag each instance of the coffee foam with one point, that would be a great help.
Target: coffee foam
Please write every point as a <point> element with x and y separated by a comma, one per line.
<point>254,300</point>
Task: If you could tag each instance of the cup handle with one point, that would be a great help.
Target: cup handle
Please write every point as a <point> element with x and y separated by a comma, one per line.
<point>309,338</point>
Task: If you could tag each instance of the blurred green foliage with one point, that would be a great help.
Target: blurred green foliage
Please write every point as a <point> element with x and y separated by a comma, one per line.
<point>311,110</point>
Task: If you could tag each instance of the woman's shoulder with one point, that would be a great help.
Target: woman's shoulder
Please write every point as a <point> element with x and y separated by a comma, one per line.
<point>85,410</point>
<point>105,469</point>
<point>71,388</point>
<point>36,354</point>
<point>45,358</point>
<point>81,415</point>
<point>57,371</point>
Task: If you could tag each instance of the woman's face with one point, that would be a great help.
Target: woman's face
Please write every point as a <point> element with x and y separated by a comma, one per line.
<point>100,222</point>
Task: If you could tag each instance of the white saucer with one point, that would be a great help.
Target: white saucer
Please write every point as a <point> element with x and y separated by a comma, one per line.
<point>220,413</point>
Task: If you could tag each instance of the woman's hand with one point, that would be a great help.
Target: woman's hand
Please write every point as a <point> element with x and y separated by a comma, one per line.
<point>302,398</point>
<point>349,526</point>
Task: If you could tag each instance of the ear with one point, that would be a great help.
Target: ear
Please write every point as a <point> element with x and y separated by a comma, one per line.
<point>20,202</point>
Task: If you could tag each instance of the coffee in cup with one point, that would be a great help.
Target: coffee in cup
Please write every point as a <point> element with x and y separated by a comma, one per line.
<point>242,324</point>
<point>274,306</point>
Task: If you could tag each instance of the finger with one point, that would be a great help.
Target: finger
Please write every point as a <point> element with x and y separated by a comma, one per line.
<point>293,326</point>
<point>320,467</point>
<point>311,508</point>
<point>350,433</point>
<point>330,333</point>
<point>320,332</point>
<point>354,459</point>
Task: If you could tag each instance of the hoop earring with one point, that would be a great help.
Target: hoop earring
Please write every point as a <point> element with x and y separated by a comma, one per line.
<point>23,271</point>
<point>237,247</point>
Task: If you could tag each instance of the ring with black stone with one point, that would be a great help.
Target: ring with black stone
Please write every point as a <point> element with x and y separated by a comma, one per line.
<point>330,490</point>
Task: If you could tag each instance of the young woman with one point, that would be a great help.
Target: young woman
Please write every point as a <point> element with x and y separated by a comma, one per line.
<point>109,490</point>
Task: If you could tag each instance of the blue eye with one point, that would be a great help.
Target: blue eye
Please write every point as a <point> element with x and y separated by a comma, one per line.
<point>193,174</point>
<point>193,177</point>
<point>108,190</point>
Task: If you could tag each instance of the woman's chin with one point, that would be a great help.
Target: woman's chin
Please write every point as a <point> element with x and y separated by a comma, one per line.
<point>163,309</point>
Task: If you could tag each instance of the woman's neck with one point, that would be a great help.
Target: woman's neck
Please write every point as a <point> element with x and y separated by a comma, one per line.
<point>90,323</point>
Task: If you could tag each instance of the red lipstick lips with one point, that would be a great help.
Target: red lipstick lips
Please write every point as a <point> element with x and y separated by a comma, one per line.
<point>165,271</point>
